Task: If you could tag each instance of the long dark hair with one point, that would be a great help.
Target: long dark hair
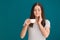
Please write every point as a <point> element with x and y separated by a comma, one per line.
<point>32,16</point>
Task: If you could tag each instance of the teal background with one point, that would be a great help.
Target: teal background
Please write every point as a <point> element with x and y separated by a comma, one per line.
<point>14,12</point>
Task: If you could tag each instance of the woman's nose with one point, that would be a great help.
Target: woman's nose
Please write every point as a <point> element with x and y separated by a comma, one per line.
<point>37,12</point>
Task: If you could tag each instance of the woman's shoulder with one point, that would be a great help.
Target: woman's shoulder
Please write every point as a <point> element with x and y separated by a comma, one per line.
<point>47,21</point>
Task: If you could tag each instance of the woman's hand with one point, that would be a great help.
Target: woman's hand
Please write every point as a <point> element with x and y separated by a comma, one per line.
<point>27,22</point>
<point>39,20</point>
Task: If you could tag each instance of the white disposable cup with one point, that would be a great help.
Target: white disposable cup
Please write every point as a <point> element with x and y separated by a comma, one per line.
<point>32,20</point>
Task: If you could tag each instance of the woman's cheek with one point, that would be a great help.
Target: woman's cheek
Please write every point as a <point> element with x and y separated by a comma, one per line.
<point>35,13</point>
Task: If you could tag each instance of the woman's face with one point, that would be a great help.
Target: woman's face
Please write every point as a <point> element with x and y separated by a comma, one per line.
<point>37,11</point>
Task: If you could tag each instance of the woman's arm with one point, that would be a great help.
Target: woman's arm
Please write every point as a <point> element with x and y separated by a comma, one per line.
<point>44,31</point>
<point>24,30</point>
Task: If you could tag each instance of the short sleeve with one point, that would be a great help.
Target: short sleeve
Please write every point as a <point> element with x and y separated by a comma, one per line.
<point>47,23</point>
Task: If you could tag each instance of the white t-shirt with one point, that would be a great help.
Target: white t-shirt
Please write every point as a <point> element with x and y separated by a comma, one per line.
<point>34,32</point>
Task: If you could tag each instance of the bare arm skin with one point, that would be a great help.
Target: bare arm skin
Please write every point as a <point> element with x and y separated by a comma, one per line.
<point>25,27</point>
<point>44,30</point>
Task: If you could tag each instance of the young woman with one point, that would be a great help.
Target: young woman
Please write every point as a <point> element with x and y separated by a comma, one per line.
<point>40,30</point>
